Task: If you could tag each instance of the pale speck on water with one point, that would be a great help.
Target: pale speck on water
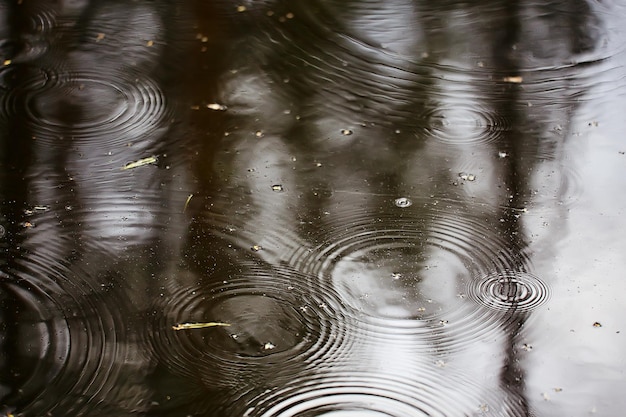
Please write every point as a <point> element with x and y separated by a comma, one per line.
<point>216,106</point>
<point>467,177</point>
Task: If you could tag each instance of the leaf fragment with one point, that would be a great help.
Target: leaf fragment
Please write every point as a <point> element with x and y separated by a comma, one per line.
<point>515,79</point>
<point>141,162</point>
<point>189,326</point>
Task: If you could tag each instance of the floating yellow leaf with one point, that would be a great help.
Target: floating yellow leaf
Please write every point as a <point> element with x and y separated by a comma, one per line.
<point>187,202</point>
<point>188,326</point>
<point>141,162</point>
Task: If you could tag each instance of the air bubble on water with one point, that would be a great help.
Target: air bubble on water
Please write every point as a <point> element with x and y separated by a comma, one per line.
<point>402,202</point>
<point>346,132</point>
<point>277,187</point>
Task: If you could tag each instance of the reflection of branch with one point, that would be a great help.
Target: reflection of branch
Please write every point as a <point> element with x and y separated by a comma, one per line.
<point>188,326</point>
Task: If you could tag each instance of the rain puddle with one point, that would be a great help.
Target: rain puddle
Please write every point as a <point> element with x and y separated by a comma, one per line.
<point>312,209</point>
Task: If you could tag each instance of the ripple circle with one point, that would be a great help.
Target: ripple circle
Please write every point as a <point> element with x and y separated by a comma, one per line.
<point>276,315</point>
<point>465,124</point>
<point>510,291</point>
<point>86,105</point>
<point>429,393</point>
<point>412,264</point>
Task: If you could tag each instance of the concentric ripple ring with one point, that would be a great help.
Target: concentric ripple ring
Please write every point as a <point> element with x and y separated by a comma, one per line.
<point>510,291</point>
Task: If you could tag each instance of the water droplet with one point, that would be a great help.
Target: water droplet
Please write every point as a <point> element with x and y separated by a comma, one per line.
<point>346,132</point>
<point>403,202</point>
<point>277,187</point>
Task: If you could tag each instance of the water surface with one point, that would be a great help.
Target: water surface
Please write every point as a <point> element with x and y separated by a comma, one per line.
<point>328,208</point>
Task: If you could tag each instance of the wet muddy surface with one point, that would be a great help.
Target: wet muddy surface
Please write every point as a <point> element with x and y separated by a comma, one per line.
<point>312,208</point>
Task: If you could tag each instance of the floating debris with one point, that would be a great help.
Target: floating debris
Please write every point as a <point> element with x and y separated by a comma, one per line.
<point>187,202</point>
<point>256,248</point>
<point>277,188</point>
<point>216,106</point>
<point>140,163</point>
<point>346,132</point>
<point>396,275</point>
<point>36,209</point>
<point>241,9</point>
<point>6,62</point>
<point>467,177</point>
<point>502,154</point>
<point>597,324</point>
<point>403,202</point>
<point>189,326</point>
<point>100,37</point>
<point>150,43</point>
<point>515,79</point>
<point>269,346</point>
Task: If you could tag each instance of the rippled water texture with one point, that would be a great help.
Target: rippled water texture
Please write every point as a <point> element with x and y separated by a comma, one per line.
<point>312,208</point>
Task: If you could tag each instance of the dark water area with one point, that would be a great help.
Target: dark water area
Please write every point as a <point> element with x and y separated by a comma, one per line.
<point>314,208</point>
